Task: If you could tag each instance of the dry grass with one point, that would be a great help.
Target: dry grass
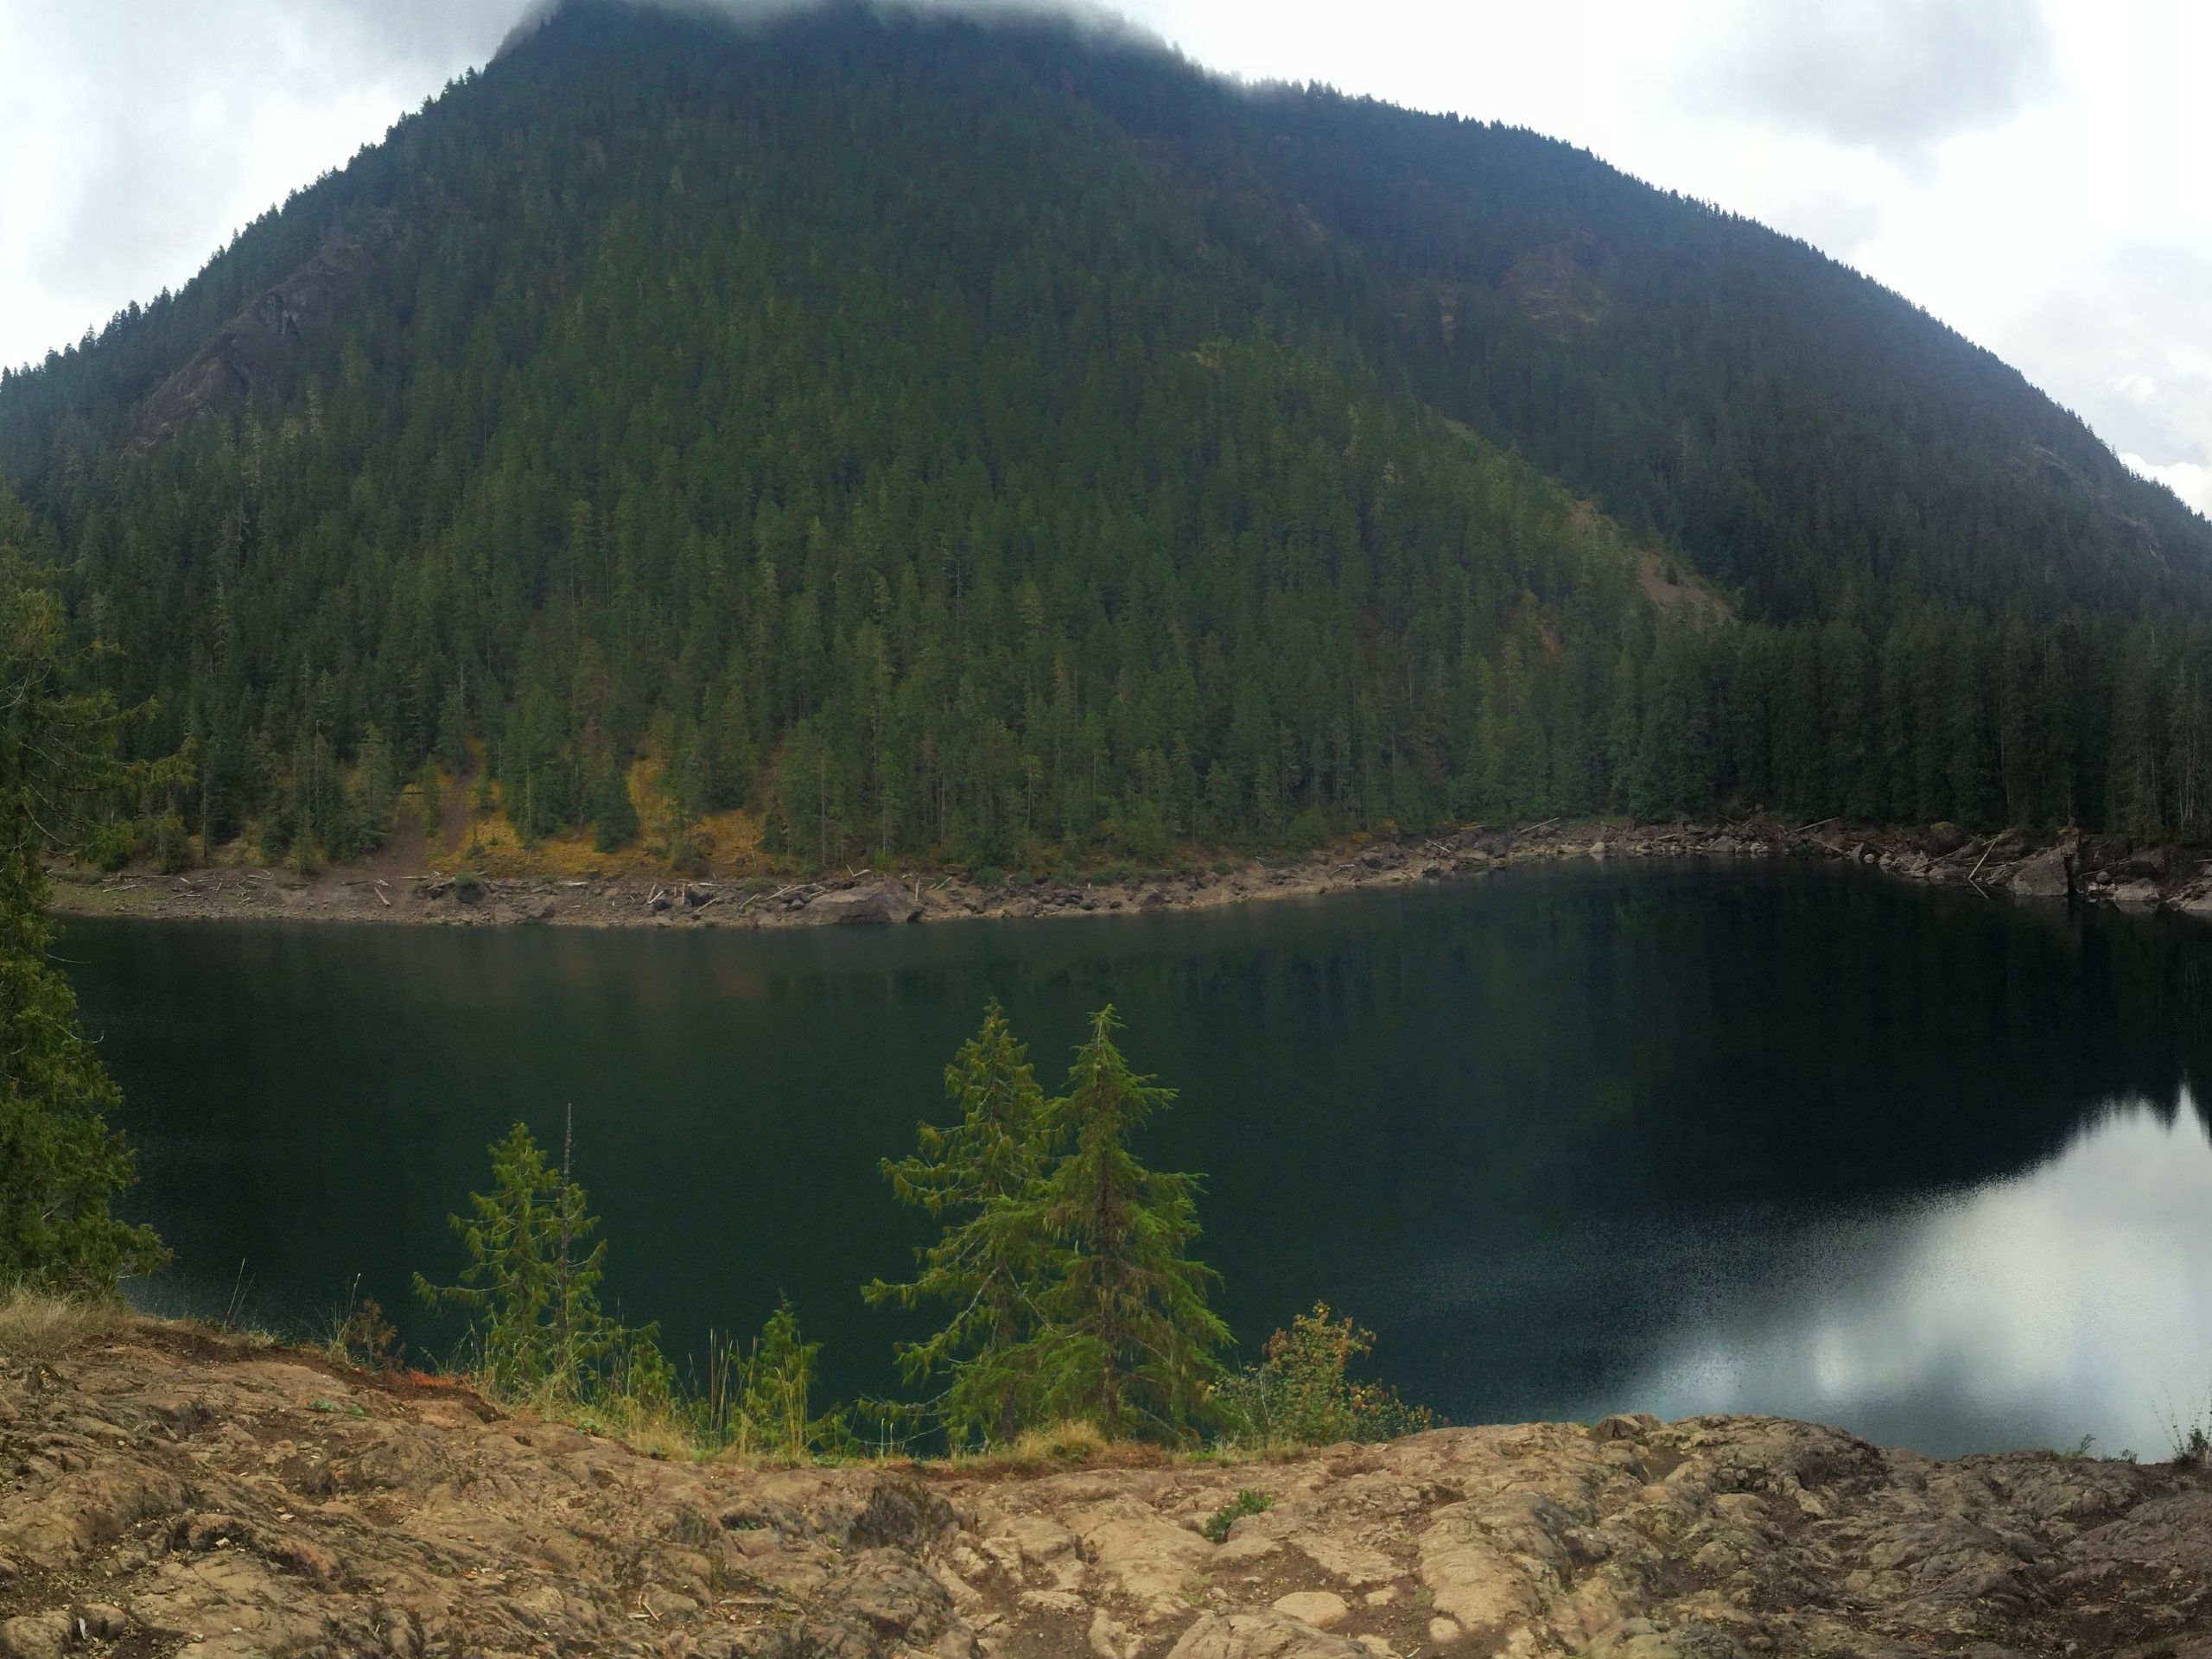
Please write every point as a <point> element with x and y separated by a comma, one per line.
<point>1062,1446</point>
<point>1058,1444</point>
<point>36,1326</point>
<point>729,842</point>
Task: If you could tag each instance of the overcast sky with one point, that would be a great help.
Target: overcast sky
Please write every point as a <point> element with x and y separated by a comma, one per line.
<point>2034,172</point>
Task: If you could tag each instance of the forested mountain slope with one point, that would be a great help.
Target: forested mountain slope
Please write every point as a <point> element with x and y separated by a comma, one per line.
<point>998,443</point>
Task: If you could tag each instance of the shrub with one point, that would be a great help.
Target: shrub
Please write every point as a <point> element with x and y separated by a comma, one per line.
<point>108,847</point>
<point>360,1336</point>
<point>1245,1502</point>
<point>2191,1442</point>
<point>757,1403</point>
<point>1300,1393</point>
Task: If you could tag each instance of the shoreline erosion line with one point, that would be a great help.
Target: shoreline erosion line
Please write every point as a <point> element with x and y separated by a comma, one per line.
<point>2093,870</point>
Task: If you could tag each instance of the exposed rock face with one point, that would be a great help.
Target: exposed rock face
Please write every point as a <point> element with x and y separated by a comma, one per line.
<point>1556,286</point>
<point>161,1492</point>
<point>244,354</point>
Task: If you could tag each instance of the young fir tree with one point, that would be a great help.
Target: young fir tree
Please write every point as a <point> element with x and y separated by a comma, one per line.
<point>531,1284</point>
<point>982,1176</point>
<point>60,1164</point>
<point>615,818</point>
<point>1127,1338</point>
<point>774,1393</point>
<point>430,804</point>
<point>373,793</point>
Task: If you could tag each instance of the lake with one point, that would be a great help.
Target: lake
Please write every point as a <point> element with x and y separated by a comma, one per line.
<point>1572,1141</point>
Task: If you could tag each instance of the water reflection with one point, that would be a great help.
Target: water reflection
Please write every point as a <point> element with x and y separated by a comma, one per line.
<point>2072,1299</point>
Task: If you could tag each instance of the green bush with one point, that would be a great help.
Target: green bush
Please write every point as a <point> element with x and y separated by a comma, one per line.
<point>1245,1502</point>
<point>108,846</point>
<point>1302,1394</point>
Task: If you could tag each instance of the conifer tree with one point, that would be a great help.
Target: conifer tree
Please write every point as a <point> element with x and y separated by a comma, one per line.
<point>60,1163</point>
<point>429,802</point>
<point>615,818</point>
<point>1128,1340</point>
<point>531,1284</point>
<point>374,790</point>
<point>982,1176</point>
<point>775,1389</point>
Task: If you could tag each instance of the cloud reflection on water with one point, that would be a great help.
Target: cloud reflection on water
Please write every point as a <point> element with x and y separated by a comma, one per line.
<point>2074,1298</point>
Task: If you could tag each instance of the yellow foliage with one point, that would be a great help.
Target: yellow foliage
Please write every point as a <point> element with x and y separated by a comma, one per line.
<point>730,841</point>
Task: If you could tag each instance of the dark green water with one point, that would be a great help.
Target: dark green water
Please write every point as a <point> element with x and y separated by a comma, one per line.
<point>1571,1140</point>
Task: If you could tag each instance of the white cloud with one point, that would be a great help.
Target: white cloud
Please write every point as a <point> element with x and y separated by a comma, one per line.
<point>2189,480</point>
<point>1896,77</point>
<point>139,137</point>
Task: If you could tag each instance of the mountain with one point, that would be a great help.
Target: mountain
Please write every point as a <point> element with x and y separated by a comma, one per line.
<point>1008,443</point>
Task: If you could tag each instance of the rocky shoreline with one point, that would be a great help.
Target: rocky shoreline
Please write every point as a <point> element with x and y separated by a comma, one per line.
<point>166,1489</point>
<point>2090,870</point>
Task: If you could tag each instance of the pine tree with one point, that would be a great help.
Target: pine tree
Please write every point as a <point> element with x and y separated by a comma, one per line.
<point>775,1385</point>
<point>615,818</point>
<point>1128,1339</point>
<point>60,1164</point>
<point>531,1284</point>
<point>983,1175</point>
<point>429,802</point>
<point>374,791</point>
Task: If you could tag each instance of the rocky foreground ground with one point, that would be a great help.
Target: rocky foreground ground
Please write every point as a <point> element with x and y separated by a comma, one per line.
<point>166,1491</point>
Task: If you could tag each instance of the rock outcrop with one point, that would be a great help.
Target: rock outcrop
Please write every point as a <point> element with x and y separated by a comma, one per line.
<point>873,904</point>
<point>244,354</point>
<point>162,1491</point>
<point>2043,876</point>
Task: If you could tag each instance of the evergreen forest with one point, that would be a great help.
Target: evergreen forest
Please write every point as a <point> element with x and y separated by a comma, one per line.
<point>997,443</point>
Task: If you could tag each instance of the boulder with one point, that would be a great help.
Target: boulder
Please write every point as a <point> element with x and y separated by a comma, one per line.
<point>1324,1609</point>
<point>2134,895</point>
<point>2043,876</point>
<point>876,905</point>
<point>1147,1557</point>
